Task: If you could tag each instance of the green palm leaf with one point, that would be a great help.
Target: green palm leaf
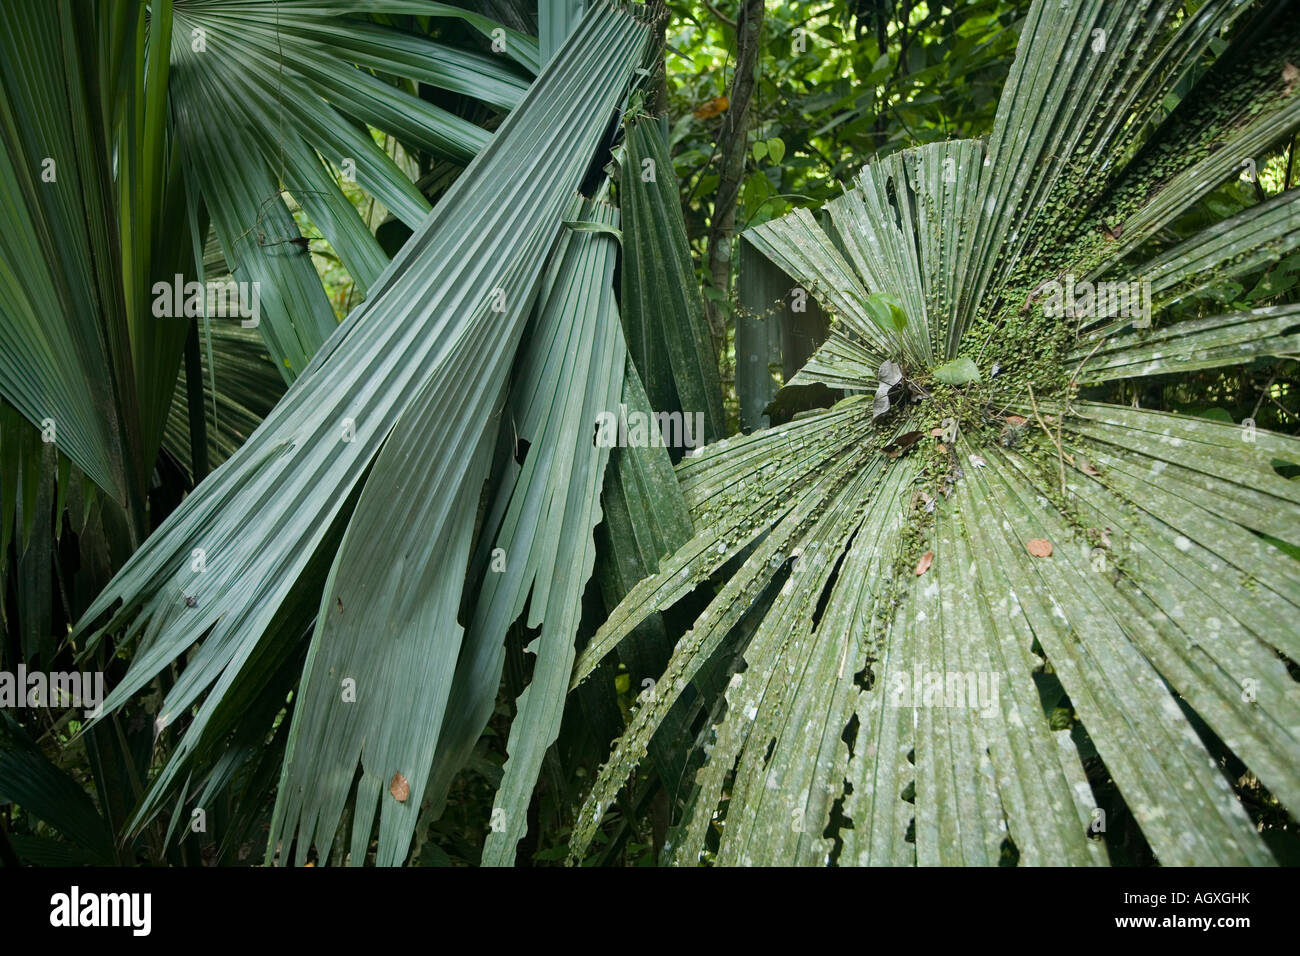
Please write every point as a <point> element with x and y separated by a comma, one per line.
<point>935,568</point>
<point>28,778</point>
<point>668,333</point>
<point>65,355</point>
<point>393,380</point>
<point>152,117</point>
<point>549,522</point>
<point>307,86</point>
<point>247,388</point>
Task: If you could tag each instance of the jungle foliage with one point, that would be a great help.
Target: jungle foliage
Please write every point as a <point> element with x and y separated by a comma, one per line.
<point>364,587</point>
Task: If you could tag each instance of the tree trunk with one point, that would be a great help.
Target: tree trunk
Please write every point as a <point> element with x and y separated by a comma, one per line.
<point>659,99</point>
<point>733,143</point>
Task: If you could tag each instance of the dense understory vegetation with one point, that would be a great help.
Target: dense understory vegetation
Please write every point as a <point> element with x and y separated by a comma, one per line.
<point>363,586</point>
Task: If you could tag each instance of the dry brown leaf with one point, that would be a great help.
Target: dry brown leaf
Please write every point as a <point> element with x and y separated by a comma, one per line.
<point>399,788</point>
<point>1015,421</point>
<point>901,444</point>
<point>1039,547</point>
<point>1088,468</point>
<point>923,565</point>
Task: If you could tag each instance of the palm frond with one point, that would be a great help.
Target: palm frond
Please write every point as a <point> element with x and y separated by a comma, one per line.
<point>70,375</point>
<point>990,554</point>
<point>668,334</point>
<point>393,379</point>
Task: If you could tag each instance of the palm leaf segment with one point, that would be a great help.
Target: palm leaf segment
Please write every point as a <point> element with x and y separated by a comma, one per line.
<point>417,373</point>
<point>883,554</point>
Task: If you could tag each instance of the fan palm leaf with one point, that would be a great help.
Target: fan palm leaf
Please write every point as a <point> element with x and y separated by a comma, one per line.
<point>416,374</point>
<point>938,564</point>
